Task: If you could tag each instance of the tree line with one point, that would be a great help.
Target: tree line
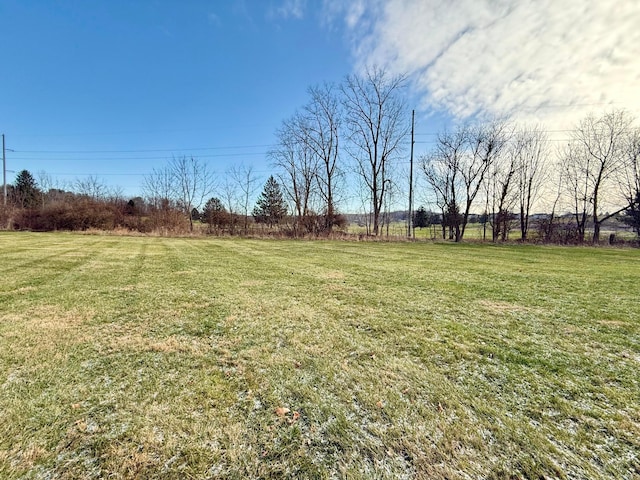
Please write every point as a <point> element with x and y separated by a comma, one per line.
<point>495,169</point>
<point>505,170</point>
<point>347,144</point>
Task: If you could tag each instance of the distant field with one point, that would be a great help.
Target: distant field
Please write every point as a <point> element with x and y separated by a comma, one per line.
<point>476,232</point>
<point>228,358</point>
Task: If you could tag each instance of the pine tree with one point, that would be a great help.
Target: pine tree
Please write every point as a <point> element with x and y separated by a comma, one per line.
<point>270,207</point>
<point>26,190</point>
<point>214,213</point>
<point>420,218</point>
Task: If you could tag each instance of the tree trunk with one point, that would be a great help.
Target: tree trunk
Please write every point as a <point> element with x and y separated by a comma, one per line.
<point>596,232</point>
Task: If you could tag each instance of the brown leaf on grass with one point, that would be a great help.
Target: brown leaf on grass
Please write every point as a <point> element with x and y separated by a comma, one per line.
<point>282,411</point>
<point>379,404</point>
<point>296,416</point>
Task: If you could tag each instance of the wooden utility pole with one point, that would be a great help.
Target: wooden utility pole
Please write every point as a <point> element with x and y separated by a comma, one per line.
<point>4,173</point>
<point>410,221</point>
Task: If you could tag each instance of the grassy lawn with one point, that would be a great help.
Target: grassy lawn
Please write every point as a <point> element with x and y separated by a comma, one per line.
<point>226,358</point>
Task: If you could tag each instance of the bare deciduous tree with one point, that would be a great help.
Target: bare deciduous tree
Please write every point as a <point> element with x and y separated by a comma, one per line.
<point>321,133</point>
<point>593,160</point>
<point>247,185</point>
<point>531,149</point>
<point>377,124</point>
<point>441,169</point>
<point>158,187</point>
<point>91,187</point>
<point>501,190</point>
<point>457,168</point>
<point>186,181</point>
<point>485,143</point>
<point>299,165</point>
<point>192,183</point>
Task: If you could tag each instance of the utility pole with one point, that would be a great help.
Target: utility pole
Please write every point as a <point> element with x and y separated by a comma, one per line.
<point>410,222</point>
<point>4,173</point>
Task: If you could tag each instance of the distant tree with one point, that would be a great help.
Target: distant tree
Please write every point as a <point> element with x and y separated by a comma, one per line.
<point>632,216</point>
<point>299,166</point>
<point>502,193</point>
<point>215,214</point>
<point>185,183</point>
<point>441,169</point>
<point>26,191</point>
<point>592,162</point>
<point>135,206</point>
<point>629,180</point>
<point>531,150</point>
<point>192,183</point>
<point>159,188</point>
<point>270,207</point>
<point>247,182</point>
<point>91,187</point>
<point>457,167</point>
<point>421,218</point>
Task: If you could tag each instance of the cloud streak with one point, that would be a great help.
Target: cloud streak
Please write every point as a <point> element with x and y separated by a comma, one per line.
<point>289,9</point>
<point>544,60</point>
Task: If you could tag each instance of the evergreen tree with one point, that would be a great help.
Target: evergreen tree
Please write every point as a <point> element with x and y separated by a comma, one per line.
<point>214,213</point>
<point>270,207</point>
<point>26,191</point>
<point>632,216</point>
<point>420,218</point>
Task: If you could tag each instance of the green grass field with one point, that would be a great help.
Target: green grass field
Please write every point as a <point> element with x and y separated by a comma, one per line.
<point>175,358</point>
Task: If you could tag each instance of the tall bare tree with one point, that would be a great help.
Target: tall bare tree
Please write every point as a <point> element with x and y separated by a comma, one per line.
<point>593,160</point>
<point>501,189</point>
<point>485,143</point>
<point>377,124</point>
<point>577,172</point>
<point>193,183</point>
<point>246,181</point>
<point>320,129</point>
<point>629,179</point>
<point>158,187</point>
<point>441,168</point>
<point>530,149</point>
<point>457,167</point>
<point>299,166</point>
<point>185,182</point>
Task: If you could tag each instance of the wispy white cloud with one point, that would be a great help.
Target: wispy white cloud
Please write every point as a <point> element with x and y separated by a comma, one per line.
<point>214,19</point>
<point>289,9</point>
<point>541,60</point>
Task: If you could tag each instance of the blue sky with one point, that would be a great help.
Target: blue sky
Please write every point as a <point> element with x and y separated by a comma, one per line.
<point>154,79</point>
<point>115,88</point>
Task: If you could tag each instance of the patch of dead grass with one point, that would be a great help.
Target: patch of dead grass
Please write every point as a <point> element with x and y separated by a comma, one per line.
<point>49,325</point>
<point>502,307</point>
<point>612,323</point>
<point>23,458</point>
<point>333,275</point>
<point>169,344</point>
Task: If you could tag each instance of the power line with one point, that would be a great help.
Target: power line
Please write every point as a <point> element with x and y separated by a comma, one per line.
<point>219,155</point>
<point>193,149</point>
